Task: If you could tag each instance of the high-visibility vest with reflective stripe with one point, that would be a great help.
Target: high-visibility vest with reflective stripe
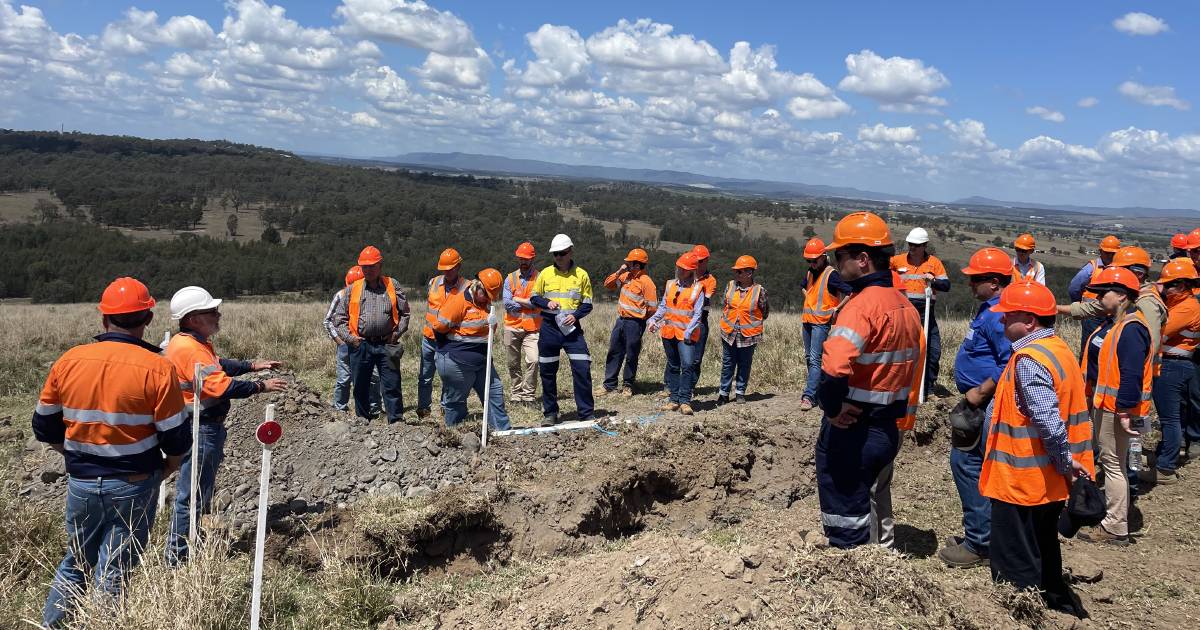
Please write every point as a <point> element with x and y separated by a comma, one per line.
<point>709,284</point>
<point>1030,275</point>
<point>742,313</point>
<point>637,298</point>
<point>914,276</point>
<point>1016,468</point>
<point>819,302</point>
<point>1108,374</point>
<point>114,398</point>
<point>472,327</point>
<point>679,303</point>
<point>355,305</point>
<point>876,341</point>
<point>1183,342</point>
<point>529,319</point>
<point>437,295</point>
<point>1097,267</point>
<point>185,352</point>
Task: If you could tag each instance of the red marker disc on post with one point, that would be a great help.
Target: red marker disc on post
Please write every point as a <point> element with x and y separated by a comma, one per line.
<point>269,432</point>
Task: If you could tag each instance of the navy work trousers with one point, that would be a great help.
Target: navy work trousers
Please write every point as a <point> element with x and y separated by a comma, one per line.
<point>551,344</point>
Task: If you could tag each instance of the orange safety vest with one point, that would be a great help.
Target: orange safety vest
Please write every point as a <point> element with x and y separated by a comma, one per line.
<point>1097,267</point>
<point>114,398</point>
<point>186,351</point>
<point>678,304</point>
<point>876,341</point>
<point>1016,468</point>
<point>1108,376</point>
<point>461,320</point>
<point>529,319</point>
<point>709,282</point>
<point>742,314</point>
<point>637,298</point>
<point>914,277</point>
<point>356,291</point>
<point>1183,341</point>
<point>437,296</point>
<point>819,302</point>
<point>1030,275</point>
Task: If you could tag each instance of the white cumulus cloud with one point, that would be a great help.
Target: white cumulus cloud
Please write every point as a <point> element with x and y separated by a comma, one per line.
<point>442,72</point>
<point>1138,23</point>
<point>140,32</point>
<point>883,133</point>
<point>648,45</point>
<point>1088,101</point>
<point>561,58</point>
<point>805,108</point>
<point>363,119</point>
<point>1045,113</point>
<point>414,24</point>
<point>1154,95</point>
<point>897,83</point>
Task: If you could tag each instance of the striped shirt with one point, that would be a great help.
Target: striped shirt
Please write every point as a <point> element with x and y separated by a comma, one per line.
<point>330,322</point>
<point>1037,399</point>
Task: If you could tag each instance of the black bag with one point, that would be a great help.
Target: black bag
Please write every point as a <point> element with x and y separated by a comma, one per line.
<point>966,424</point>
<point>395,352</point>
<point>1085,507</point>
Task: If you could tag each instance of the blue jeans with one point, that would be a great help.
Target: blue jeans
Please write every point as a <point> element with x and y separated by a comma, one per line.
<point>341,388</point>
<point>366,359</point>
<point>1171,391</point>
<point>977,509</point>
<point>425,375</point>
<point>458,379</point>
<point>814,344</point>
<point>701,345</point>
<point>624,346</point>
<point>211,449</point>
<point>1191,420</point>
<point>735,359</point>
<point>108,521</point>
<point>551,343</point>
<point>681,367</point>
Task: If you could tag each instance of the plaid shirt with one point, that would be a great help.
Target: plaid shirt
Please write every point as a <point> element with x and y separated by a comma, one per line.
<point>1037,399</point>
<point>330,322</point>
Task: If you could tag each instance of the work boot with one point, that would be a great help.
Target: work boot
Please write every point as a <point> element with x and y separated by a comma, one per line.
<point>627,392</point>
<point>664,394</point>
<point>1098,534</point>
<point>722,399</point>
<point>1159,477</point>
<point>1193,451</point>
<point>601,392</point>
<point>423,413</point>
<point>549,419</point>
<point>740,399</point>
<point>960,557</point>
<point>671,406</point>
<point>807,403</point>
<point>685,409</point>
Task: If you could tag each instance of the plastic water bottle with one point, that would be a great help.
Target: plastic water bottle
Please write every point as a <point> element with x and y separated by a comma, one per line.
<point>1135,453</point>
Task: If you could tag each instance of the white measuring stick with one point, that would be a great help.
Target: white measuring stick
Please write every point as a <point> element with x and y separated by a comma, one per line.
<point>260,535</point>
<point>566,426</point>
<point>487,383</point>
<point>925,331</point>
<point>193,529</point>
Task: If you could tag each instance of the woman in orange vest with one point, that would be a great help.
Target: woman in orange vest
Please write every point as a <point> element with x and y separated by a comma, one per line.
<point>1180,336</point>
<point>742,321</point>
<point>461,332</point>
<point>677,321</point>
<point>823,292</point>
<point>1118,368</point>
<point>1038,443</point>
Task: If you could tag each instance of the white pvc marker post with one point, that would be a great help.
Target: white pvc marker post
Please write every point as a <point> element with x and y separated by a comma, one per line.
<point>194,465</point>
<point>925,331</point>
<point>268,433</point>
<point>487,383</point>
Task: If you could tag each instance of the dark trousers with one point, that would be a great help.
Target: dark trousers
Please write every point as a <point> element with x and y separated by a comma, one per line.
<point>624,345</point>
<point>1172,390</point>
<point>933,344</point>
<point>366,359</point>
<point>701,344</point>
<point>1086,328</point>
<point>551,344</point>
<point>1025,551</point>
<point>848,463</point>
<point>1191,419</point>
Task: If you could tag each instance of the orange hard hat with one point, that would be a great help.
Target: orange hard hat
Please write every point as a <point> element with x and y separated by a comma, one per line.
<point>491,281</point>
<point>449,259</point>
<point>125,295</point>
<point>687,261</point>
<point>1115,276</point>
<point>1193,239</point>
<point>1178,269</point>
<point>1027,296</point>
<point>814,248</point>
<point>1110,243</point>
<point>352,274</point>
<point>745,262</point>
<point>369,256</point>
<point>1179,241</point>
<point>526,250</point>
<point>861,228</point>
<point>1025,241</point>
<point>989,260</point>
<point>638,254</point>
<point>701,252</point>
<point>1131,255</point>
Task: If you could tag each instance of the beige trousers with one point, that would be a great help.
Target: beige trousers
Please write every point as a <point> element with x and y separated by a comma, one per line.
<point>1114,451</point>
<point>522,348</point>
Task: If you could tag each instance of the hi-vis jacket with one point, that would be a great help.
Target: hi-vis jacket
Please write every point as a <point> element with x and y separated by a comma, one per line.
<point>819,302</point>
<point>680,311</point>
<point>1107,394</point>
<point>1016,467</point>
<point>874,353</point>
<point>1181,333</point>
<point>639,296</point>
<point>517,317</point>
<point>743,313</point>
<point>914,276</point>
<point>461,326</point>
<point>709,283</point>
<point>114,406</point>
<point>188,349</point>
<point>571,289</point>
<point>438,293</point>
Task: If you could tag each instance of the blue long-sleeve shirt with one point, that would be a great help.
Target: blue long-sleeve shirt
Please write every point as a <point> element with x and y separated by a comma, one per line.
<point>835,282</point>
<point>509,305</point>
<point>1132,348</point>
<point>1080,281</point>
<point>984,351</point>
<point>693,322</point>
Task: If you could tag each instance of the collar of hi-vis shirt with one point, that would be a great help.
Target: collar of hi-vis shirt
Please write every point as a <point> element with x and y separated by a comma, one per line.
<point>129,339</point>
<point>876,279</point>
<point>193,334</point>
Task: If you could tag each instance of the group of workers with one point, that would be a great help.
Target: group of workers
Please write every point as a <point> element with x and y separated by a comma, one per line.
<point>1033,417</point>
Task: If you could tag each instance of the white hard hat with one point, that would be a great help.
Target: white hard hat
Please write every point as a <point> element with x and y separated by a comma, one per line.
<point>561,242</point>
<point>190,299</point>
<point>917,236</point>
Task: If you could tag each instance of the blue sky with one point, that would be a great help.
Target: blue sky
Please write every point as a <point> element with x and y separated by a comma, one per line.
<point>1070,102</point>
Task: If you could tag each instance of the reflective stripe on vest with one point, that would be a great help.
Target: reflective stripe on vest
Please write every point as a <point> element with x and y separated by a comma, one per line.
<point>678,305</point>
<point>1097,267</point>
<point>436,297</point>
<point>1108,373</point>
<point>742,316</point>
<point>819,308</point>
<point>528,319</point>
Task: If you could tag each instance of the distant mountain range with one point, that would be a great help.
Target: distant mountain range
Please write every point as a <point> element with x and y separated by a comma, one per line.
<point>1130,211</point>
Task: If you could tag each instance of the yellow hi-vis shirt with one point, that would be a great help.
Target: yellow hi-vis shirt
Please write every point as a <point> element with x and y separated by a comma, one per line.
<point>569,288</point>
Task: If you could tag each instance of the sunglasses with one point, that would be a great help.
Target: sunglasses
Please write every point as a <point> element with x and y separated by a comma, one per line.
<point>211,311</point>
<point>561,254</point>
